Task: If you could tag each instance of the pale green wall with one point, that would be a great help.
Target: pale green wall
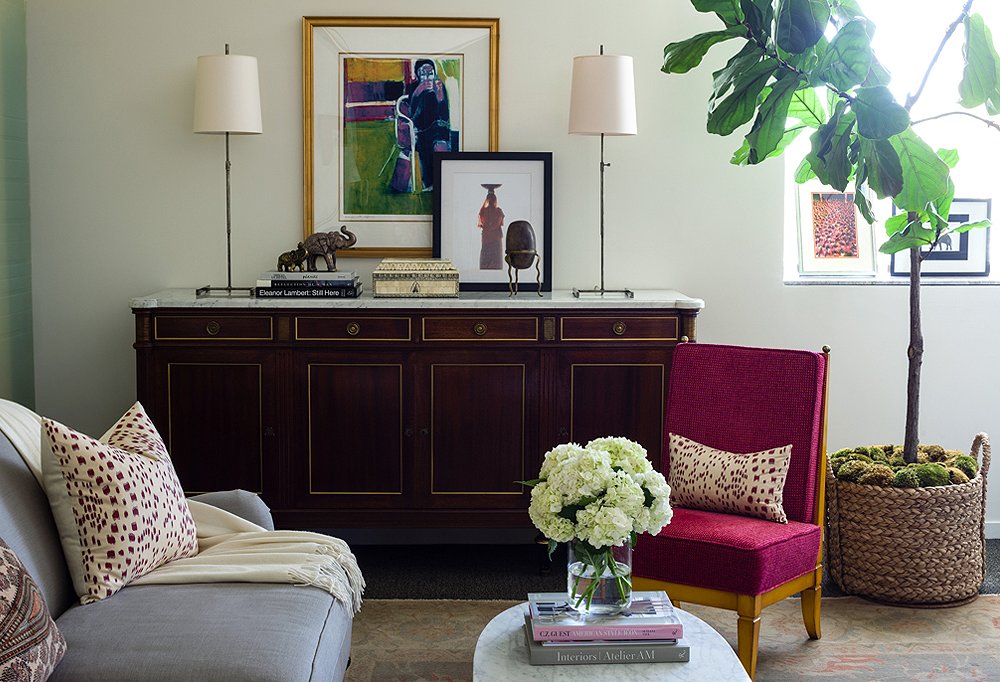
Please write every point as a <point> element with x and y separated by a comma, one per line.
<point>17,366</point>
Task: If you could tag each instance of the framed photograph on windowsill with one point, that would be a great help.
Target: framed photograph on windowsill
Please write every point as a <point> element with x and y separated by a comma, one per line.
<point>958,255</point>
<point>381,96</point>
<point>478,196</point>
<point>834,238</point>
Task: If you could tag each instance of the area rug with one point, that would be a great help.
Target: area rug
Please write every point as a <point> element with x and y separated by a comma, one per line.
<point>433,640</point>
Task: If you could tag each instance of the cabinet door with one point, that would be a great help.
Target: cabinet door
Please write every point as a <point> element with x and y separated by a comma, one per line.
<point>352,443</point>
<point>612,392</point>
<point>477,428</point>
<point>216,411</point>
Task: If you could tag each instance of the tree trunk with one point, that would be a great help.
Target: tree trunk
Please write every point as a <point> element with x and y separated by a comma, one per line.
<point>915,356</point>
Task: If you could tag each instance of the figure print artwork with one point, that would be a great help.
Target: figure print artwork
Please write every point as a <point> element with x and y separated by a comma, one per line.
<point>381,97</point>
<point>490,224</point>
<point>397,112</point>
<point>834,239</point>
<point>478,196</point>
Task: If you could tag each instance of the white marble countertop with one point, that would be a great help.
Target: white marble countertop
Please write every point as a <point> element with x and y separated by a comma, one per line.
<point>501,656</point>
<point>648,298</point>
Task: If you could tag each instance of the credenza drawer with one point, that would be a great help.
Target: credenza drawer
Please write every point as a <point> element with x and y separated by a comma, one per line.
<point>651,328</point>
<point>352,328</point>
<point>475,328</point>
<point>212,328</point>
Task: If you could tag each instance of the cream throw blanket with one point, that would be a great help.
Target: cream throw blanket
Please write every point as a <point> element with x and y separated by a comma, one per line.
<point>230,549</point>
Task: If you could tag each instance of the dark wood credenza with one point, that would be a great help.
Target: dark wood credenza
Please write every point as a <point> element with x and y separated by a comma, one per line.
<point>399,412</point>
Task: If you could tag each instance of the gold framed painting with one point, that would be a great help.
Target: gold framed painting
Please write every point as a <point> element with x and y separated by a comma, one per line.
<point>834,238</point>
<point>381,96</point>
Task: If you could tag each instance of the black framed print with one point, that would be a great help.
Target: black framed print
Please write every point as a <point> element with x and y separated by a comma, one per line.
<point>478,196</point>
<point>958,255</point>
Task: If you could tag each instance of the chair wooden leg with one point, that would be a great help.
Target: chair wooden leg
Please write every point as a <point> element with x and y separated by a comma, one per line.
<point>748,631</point>
<point>811,599</point>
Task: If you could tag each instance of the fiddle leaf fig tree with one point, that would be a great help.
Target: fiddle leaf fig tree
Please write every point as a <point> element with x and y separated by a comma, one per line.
<point>806,67</point>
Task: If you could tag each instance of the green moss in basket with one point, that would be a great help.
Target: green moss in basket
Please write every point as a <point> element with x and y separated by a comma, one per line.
<point>897,462</point>
<point>967,464</point>
<point>838,460</point>
<point>932,474</point>
<point>935,453</point>
<point>957,476</point>
<point>877,474</point>
<point>906,478</point>
<point>853,470</point>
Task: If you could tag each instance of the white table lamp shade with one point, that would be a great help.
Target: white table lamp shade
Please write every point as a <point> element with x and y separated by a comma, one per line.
<point>603,96</point>
<point>227,95</point>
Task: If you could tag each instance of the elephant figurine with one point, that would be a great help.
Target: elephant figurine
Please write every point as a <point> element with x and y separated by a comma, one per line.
<point>292,260</point>
<point>325,244</point>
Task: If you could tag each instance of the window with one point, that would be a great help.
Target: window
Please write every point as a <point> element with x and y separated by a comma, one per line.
<point>904,41</point>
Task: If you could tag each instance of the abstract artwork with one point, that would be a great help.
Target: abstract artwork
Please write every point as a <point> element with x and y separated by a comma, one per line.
<point>382,97</point>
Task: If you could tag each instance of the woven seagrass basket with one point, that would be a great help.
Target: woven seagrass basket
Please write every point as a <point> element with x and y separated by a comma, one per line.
<point>913,546</point>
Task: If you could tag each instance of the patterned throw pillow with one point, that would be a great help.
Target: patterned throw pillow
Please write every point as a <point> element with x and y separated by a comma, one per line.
<point>117,503</point>
<point>30,643</point>
<point>715,480</point>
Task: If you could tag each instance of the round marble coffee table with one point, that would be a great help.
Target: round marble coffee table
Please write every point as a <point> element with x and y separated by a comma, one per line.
<point>502,656</point>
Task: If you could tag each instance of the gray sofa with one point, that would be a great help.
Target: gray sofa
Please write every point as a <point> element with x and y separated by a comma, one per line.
<point>222,631</point>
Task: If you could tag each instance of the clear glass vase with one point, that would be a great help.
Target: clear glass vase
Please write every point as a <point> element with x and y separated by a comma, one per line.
<point>599,581</point>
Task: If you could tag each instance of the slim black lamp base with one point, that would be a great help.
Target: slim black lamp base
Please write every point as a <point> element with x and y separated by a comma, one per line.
<point>223,291</point>
<point>600,292</point>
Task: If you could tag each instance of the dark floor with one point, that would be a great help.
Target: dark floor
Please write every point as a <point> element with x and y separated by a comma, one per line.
<point>504,571</point>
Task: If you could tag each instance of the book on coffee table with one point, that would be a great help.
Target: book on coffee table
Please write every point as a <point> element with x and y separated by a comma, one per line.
<point>650,616</point>
<point>603,651</point>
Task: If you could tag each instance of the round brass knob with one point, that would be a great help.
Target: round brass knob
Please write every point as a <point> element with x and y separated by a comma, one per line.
<point>479,329</point>
<point>213,328</point>
<point>618,328</point>
<point>353,328</point>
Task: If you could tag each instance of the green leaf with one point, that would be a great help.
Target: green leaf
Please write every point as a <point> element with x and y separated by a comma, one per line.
<point>738,107</point>
<point>879,116</point>
<point>727,10</point>
<point>683,56</point>
<point>828,157</point>
<point>965,227</point>
<point>804,172</point>
<point>758,15</point>
<point>981,75</point>
<point>942,205</point>
<point>877,75</point>
<point>861,201</point>
<point>769,127</point>
<point>885,174</point>
<point>896,223</point>
<point>849,57</point>
<point>925,175</point>
<point>741,156</point>
<point>801,24</point>
<point>902,241</point>
<point>552,548</point>
<point>845,10</point>
<point>724,78</point>
<point>531,482</point>
<point>807,107</point>
<point>949,156</point>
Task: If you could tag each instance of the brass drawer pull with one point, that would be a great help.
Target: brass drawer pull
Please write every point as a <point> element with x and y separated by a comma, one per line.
<point>353,328</point>
<point>213,328</point>
<point>618,328</point>
<point>479,329</point>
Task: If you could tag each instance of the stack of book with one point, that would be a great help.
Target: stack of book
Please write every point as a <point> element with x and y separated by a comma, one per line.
<point>649,631</point>
<point>308,285</point>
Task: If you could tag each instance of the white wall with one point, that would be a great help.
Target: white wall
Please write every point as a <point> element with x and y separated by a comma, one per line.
<point>126,200</point>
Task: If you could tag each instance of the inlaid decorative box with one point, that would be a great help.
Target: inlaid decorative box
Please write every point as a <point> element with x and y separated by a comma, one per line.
<point>415,278</point>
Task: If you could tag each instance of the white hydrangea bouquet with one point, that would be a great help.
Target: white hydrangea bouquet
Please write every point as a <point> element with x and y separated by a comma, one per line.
<point>598,497</point>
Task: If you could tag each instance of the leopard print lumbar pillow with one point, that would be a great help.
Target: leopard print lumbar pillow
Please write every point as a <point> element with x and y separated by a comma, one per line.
<point>715,480</point>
